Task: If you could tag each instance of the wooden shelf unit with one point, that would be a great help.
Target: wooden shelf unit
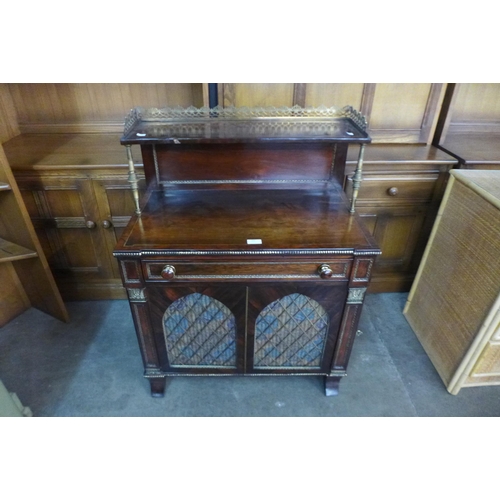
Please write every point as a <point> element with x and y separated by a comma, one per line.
<point>25,277</point>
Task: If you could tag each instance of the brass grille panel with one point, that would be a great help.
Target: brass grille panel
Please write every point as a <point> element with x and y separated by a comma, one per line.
<point>290,332</point>
<point>200,331</point>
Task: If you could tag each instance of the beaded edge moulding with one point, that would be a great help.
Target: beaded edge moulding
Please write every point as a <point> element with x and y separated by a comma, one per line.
<point>179,113</point>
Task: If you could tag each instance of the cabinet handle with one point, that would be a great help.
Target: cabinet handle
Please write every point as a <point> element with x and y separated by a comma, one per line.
<point>325,271</point>
<point>393,191</point>
<point>106,224</point>
<point>168,272</point>
<point>90,224</point>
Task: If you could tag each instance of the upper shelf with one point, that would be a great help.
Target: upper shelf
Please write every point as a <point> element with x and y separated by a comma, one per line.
<point>232,125</point>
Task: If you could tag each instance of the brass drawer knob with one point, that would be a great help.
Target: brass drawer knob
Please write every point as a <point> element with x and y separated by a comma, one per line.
<point>106,224</point>
<point>325,271</point>
<point>90,224</point>
<point>393,191</point>
<point>168,272</point>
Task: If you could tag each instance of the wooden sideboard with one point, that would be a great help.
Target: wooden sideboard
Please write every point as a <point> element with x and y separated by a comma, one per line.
<point>402,187</point>
<point>477,151</point>
<point>75,188</point>
<point>244,256</point>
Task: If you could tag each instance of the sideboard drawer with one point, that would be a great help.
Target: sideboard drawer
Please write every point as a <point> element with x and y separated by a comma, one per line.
<point>394,189</point>
<point>489,362</point>
<point>338,270</point>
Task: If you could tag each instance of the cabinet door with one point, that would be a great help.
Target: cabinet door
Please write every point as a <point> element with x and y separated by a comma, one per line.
<point>401,233</point>
<point>65,216</point>
<point>199,329</point>
<point>293,328</point>
<point>116,205</point>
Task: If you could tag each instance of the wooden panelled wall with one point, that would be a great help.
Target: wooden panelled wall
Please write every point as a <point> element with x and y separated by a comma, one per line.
<point>396,112</point>
<point>472,107</point>
<point>93,107</point>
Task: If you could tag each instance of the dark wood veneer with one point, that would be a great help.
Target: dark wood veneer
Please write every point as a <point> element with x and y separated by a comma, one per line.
<point>249,215</point>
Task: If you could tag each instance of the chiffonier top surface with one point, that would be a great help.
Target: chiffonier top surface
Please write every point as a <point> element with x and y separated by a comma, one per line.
<point>233,125</point>
<point>245,222</point>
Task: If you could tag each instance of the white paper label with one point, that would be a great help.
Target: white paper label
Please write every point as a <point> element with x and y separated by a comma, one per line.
<point>254,242</point>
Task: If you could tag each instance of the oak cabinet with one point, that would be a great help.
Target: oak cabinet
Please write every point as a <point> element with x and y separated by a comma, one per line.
<point>78,220</point>
<point>76,190</point>
<point>398,202</point>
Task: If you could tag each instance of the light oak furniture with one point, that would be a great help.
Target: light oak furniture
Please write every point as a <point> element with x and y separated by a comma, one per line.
<point>469,128</point>
<point>25,277</point>
<point>402,187</point>
<point>76,191</point>
<point>63,144</point>
<point>454,303</point>
<point>245,256</point>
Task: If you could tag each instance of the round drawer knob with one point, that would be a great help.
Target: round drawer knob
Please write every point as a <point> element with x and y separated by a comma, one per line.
<point>90,224</point>
<point>325,271</point>
<point>393,191</point>
<point>168,272</point>
<point>106,224</point>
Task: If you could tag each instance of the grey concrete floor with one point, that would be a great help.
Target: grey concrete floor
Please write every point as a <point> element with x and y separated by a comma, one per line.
<point>92,367</point>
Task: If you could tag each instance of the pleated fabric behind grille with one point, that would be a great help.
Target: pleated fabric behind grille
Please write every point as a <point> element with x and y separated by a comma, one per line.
<point>200,331</point>
<point>290,332</point>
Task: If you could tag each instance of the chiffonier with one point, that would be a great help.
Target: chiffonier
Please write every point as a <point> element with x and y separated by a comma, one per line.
<point>244,256</point>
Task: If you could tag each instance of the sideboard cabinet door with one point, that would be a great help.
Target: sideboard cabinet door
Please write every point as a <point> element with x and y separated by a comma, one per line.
<point>199,328</point>
<point>293,327</point>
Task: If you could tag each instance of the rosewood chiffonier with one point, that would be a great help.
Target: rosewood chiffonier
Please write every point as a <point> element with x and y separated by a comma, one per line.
<point>245,257</point>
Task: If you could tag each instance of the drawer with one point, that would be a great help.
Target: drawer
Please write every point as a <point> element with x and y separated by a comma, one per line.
<point>489,361</point>
<point>337,270</point>
<point>395,189</point>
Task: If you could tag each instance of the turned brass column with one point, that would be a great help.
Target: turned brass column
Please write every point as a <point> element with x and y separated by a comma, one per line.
<point>132,178</point>
<point>356,180</point>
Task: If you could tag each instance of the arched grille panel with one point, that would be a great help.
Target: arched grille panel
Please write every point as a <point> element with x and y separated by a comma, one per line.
<point>200,331</point>
<point>290,332</point>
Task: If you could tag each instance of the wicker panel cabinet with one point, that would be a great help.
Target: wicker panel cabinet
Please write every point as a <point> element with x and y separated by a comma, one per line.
<point>454,303</point>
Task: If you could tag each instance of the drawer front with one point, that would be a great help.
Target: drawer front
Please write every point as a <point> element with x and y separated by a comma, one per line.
<point>489,361</point>
<point>395,189</point>
<point>337,270</point>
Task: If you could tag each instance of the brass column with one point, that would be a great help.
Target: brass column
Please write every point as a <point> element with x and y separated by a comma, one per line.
<point>356,180</point>
<point>132,178</point>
